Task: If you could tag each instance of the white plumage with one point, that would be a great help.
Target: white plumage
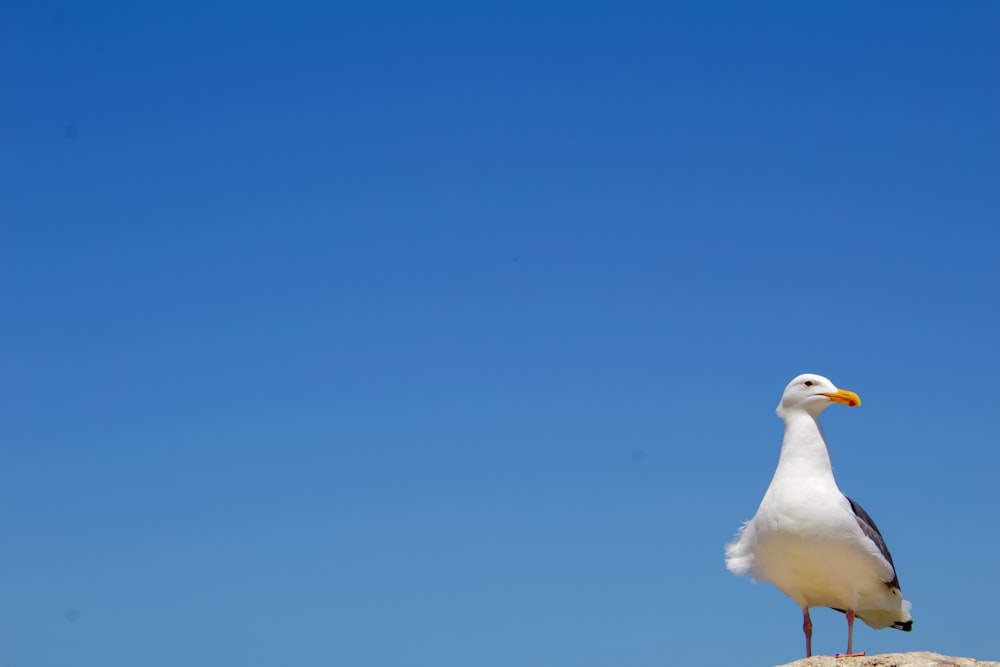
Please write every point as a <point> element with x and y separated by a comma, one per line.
<point>815,544</point>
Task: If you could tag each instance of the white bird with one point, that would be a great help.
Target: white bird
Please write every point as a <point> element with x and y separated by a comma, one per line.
<point>810,540</point>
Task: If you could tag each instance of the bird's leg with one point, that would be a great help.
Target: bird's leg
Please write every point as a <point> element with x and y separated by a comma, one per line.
<point>850,631</point>
<point>850,637</point>
<point>807,628</point>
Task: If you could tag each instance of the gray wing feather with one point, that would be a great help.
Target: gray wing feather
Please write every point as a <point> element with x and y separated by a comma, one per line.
<point>867,525</point>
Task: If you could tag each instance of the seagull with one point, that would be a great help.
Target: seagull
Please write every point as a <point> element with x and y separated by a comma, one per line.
<point>816,545</point>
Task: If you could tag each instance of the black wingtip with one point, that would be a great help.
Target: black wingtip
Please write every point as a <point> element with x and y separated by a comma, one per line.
<point>906,626</point>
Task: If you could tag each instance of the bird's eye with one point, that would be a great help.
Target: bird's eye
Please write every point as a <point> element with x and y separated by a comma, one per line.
<point>808,383</point>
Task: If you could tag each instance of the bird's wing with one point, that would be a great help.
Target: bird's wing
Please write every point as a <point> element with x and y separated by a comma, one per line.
<point>870,530</point>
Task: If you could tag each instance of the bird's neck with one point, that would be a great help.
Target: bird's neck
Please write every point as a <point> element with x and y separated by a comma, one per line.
<point>803,450</point>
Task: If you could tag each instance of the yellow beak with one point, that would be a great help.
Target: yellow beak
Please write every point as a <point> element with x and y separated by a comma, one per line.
<point>848,398</point>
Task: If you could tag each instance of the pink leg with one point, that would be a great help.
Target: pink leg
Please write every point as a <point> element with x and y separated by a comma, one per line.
<point>850,637</point>
<point>807,628</point>
<point>850,631</point>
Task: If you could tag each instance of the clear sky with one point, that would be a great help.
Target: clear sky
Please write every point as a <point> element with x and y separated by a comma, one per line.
<point>439,335</point>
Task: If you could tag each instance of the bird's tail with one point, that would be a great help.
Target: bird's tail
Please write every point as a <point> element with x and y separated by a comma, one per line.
<point>888,618</point>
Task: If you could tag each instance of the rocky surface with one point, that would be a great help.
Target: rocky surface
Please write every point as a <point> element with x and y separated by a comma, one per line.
<point>915,659</point>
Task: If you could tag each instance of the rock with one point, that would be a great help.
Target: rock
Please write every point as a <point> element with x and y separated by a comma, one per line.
<point>915,659</point>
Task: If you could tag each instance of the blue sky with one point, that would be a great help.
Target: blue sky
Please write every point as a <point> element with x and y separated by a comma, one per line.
<point>419,334</point>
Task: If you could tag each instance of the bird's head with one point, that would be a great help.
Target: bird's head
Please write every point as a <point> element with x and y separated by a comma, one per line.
<point>813,394</point>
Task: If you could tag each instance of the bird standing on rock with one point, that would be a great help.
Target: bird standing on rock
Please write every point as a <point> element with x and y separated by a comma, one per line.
<point>815,544</point>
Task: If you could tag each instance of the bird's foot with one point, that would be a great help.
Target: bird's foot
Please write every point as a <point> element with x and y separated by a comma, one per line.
<point>850,655</point>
